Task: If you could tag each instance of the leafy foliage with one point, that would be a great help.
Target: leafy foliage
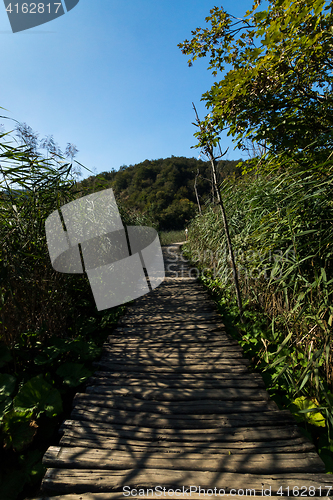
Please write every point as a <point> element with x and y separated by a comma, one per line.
<point>73,374</point>
<point>39,396</point>
<point>277,67</point>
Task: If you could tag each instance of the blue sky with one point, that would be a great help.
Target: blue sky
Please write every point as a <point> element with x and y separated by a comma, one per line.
<point>108,76</point>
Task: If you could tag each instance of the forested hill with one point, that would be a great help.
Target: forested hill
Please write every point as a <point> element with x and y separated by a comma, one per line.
<point>161,189</point>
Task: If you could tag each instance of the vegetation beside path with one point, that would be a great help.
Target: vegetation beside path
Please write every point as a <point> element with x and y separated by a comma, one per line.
<point>281,229</point>
<point>274,96</point>
<point>50,330</point>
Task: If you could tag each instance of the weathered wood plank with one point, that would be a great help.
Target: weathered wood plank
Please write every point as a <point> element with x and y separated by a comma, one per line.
<point>236,400</point>
<point>216,435</point>
<point>173,362</point>
<point>203,326</point>
<point>116,443</point>
<point>86,480</point>
<point>240,367</point>
<point>173,351</point>
<point>183,394</point>
<point>177,341</point>
<point>170,318</point>
<point>169,355</point>
<point>160,331</point>
<point>174,305</point>
<point>207,422</point>
<point>213,349</point>
<point>179,383</point>
<point>259,463</point>
<point>168,302</point>
<point>203,344</point>
<point>183,378</point>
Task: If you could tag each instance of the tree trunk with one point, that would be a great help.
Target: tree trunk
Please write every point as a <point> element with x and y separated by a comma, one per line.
<point>208,150</point>
<point>196,191</point>
<point>226,228</point>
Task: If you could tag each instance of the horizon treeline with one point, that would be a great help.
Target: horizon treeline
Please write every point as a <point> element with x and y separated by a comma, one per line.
<point>163,189</point>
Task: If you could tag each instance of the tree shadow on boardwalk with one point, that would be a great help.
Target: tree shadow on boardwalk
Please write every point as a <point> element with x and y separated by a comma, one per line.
<point>173,404</point>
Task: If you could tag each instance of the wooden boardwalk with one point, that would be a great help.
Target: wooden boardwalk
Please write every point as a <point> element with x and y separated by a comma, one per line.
<point>173,405</point>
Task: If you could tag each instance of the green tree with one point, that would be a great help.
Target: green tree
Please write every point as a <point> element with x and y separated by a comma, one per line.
<point>278,91</point>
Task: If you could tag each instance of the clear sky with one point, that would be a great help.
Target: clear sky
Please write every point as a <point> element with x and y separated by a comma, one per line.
<point>108,76</point>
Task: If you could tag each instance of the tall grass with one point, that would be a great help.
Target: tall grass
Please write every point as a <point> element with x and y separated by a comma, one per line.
<point>282,232</point>
<point>50,330</point>
<point>33,297</point>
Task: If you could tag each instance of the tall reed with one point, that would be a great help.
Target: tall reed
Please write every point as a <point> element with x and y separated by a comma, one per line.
<point>33,297</point>
<point>281,223</point>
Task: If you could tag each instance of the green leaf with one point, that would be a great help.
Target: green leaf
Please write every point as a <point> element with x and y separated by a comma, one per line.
<point>48,356</point>
<point>73,374</point>
<point>37,394</point>
<point>85,350</point>
<point>5,406</point>
<point>19,429</point>
<point>7,385</point>
<point>303,405</point>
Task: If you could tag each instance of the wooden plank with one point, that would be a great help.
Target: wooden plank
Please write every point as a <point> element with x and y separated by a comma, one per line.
<point>183,394</point>
<point>170,318</point>
<point>241,367</point>
<point>156,360</point>
<point>187,303</point>
<point>160,359</point>
<point>162,352</point>
<point>173,383</point>
<point>174,351</point>
<point>218,378</point>
<point>149,359</point>
<point>196,326</point>
<point>170,306</point>
<point>213,349</point>
<point>238,401</point>
<point>228,435</point>
<point>163,331</point>
<point>86,480</point>
<point>176,342</point>
<point>259,463</point>
<point>240,447</point>
<point>208,423</point>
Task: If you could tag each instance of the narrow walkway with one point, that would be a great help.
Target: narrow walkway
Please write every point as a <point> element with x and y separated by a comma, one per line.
<point>173,405</point>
